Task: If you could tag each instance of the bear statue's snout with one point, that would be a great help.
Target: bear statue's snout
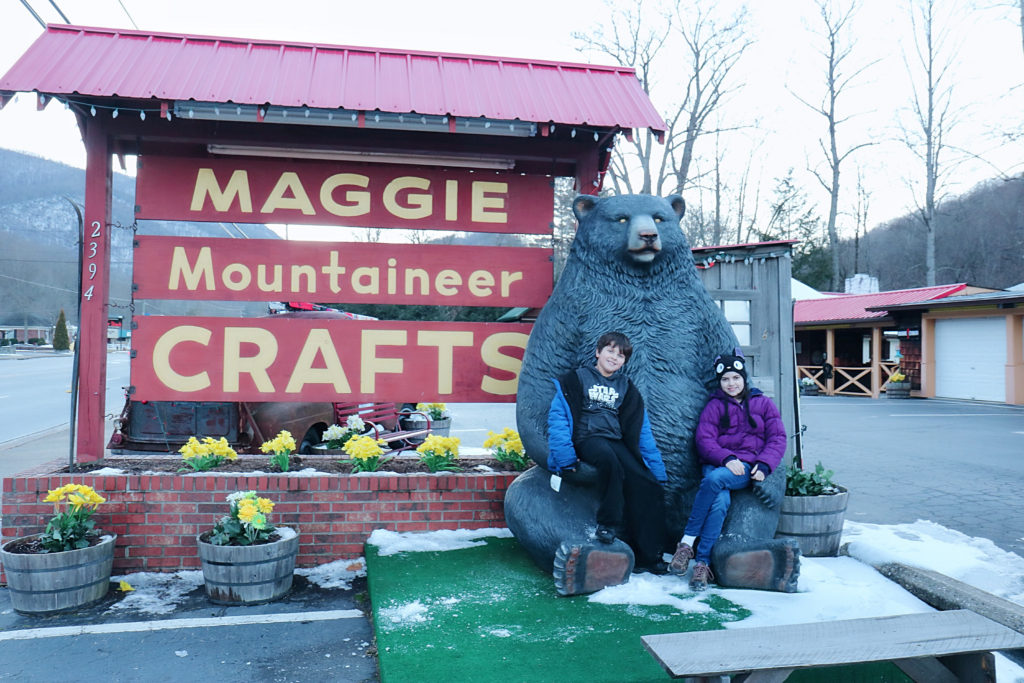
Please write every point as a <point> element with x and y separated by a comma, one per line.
<point>644,239</point>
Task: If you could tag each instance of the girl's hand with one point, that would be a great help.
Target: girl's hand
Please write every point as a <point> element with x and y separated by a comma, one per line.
<point>736,467</point>
<point>757,474</point>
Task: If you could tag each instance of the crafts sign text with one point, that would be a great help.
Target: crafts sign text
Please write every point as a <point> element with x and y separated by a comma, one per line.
<point>342,193</point>
<point>224,359</point>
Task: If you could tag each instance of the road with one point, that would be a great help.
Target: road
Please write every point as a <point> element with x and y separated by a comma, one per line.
<point>956,463</point>
<point>35,392</point>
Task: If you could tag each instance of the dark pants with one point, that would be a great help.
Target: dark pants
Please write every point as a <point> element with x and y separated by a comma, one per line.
<point>629,497</point>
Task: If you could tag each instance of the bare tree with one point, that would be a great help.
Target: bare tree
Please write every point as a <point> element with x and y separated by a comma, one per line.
<point>860,215</point>
<point>931,104</point>
<point>836,51</point>
<point>713,47</point>
<point>645,40</point>
<point>745,223</point>
<point>635,40</point>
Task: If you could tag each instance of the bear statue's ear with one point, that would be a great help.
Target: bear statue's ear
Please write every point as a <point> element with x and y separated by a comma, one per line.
<point>678,205</point>
<point>583,204</point>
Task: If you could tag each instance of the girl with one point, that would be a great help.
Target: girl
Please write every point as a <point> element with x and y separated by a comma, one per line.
<point>740,438</point>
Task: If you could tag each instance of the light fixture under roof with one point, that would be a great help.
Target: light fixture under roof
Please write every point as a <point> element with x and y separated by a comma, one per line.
<point>351,118</point>
<point>411,158</point>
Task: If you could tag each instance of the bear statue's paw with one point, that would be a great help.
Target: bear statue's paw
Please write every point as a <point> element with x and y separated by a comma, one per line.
<point>773,566</point>
<point>588,566</point>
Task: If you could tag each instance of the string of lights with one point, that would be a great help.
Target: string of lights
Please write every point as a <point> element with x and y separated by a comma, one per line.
<point>264,114</point>
<point>722,257</point>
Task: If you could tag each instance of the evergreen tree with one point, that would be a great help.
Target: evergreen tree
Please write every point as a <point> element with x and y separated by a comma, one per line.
<point>61,342</point>
<point>793,218</point>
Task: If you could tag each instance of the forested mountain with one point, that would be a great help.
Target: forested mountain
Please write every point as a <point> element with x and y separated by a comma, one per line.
<point>979,240</point>
<point>39,234</point>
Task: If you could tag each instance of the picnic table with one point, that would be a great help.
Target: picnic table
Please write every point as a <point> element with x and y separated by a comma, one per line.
<point>954,645</point>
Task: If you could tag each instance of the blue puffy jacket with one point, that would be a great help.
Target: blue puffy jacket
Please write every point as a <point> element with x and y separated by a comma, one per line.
<point>566,406</point>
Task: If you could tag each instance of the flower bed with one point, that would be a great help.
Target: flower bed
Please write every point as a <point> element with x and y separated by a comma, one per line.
<point>157,516</point>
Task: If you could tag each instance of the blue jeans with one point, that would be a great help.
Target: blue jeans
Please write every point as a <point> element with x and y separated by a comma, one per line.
<point>711,505</point>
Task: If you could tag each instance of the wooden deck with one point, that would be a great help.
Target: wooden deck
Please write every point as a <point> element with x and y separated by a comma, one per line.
<point>930,646</point>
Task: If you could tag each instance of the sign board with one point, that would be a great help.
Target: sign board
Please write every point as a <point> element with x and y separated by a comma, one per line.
<point>115,327</point>
<point>268,359</point>
<point>221,269</point>
<point>342,193</point>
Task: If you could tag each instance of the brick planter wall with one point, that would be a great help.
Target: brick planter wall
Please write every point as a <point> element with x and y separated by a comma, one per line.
<point>157,517</point>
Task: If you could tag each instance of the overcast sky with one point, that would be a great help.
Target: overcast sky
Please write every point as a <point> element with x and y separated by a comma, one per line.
<point>778,132</point>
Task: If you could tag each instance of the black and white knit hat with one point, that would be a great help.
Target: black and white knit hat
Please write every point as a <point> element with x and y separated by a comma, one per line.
<point>731,363</point>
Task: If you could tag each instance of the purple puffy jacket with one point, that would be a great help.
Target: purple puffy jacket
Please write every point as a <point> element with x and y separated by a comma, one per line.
<point>765,443</point>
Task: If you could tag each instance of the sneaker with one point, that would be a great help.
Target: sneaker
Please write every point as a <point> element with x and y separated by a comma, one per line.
<point>659,568</point>
<point>605,534</point>
<point>681,560</point>
<point>701,576</point>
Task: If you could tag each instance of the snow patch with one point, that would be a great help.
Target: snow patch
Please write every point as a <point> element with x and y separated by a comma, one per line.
<point>410,613</point>
<point>107,471</point>
<point>392,542</point>
<point>156,593</point>
<point>336,574</point>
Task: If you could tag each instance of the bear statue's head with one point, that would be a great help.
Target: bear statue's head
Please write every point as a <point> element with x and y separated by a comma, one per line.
<point>635,229</point>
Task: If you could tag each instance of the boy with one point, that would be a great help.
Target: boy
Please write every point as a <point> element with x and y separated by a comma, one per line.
<point>597,416</point>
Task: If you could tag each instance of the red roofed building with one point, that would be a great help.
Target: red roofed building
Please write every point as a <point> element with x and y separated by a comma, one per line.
<point>168,96</point>
<point>860,341</point>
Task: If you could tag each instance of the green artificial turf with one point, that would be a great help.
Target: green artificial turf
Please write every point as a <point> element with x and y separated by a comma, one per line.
<point>489,614</point>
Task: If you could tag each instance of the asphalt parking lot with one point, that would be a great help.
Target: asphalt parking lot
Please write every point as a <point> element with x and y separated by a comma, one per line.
<point>952,462</point>
<point>957,463</point>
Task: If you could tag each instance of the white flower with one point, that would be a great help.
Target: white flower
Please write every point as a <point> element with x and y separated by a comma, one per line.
<point>355,422</point>
<point>333,433</point>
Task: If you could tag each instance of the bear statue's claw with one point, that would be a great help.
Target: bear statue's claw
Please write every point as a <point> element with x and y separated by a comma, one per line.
<point>586,567</point>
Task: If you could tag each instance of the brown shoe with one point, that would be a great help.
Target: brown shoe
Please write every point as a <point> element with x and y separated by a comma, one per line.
<point>701,577</point>
<point>681,560</point>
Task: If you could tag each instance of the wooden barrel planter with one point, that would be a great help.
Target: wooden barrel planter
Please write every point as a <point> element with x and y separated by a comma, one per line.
<point>897,390</point>
<point>248,574</point>
<point>815,522</point>
<point>441,427</point>
<point>47,583</point>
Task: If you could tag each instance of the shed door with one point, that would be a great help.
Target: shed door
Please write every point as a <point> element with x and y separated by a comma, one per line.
<point>970,359</point>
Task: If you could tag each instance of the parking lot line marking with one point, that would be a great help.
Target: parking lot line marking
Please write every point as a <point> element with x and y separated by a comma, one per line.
<point>170,624</point>
<point>947,415</point>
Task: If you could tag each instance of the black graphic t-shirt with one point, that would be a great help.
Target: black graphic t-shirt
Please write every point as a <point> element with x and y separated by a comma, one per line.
<point>602,397</point>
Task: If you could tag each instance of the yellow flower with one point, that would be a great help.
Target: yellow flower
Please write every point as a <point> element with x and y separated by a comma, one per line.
<point>436,411</point>
<point>246,513</point>
<point>265,505</point>
<point>191,448</point>
<point>364,447</point>
<point>283,443</point>
<point>440,445</point>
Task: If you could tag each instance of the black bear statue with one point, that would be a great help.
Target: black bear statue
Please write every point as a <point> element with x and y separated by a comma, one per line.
<point>630,269</point>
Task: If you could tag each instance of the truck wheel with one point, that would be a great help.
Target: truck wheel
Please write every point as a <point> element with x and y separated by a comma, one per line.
<point>312,438</point>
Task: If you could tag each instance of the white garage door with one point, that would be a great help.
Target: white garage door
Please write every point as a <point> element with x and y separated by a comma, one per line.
<point>970,359</point>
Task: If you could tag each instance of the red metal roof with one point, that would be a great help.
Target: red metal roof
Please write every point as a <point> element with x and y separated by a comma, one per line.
<point>100,62</point>
<point>852,307</point>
